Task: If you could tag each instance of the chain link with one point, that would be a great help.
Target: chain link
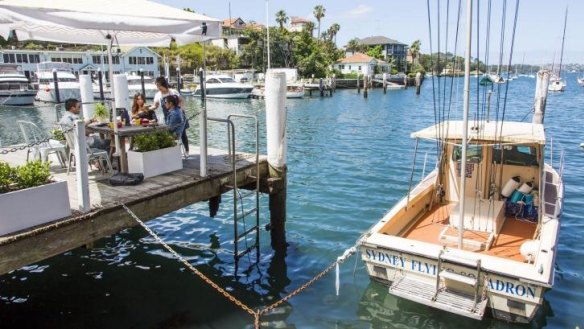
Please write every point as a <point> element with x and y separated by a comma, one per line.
<point>256,314</point>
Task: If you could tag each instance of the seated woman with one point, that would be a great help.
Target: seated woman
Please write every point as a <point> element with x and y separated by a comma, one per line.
<point>140,110</point>
<point>176,118</point>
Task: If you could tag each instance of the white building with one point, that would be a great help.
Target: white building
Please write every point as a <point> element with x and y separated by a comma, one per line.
<point>360,63</point>
<point>297,24</point>
<point>86,62</point>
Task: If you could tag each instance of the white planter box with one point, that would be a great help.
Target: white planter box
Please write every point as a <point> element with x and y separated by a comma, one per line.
<point>156,162</point>
<point>33,206</point>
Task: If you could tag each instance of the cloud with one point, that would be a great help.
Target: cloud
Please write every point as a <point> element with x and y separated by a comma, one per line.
<point>358,11</point>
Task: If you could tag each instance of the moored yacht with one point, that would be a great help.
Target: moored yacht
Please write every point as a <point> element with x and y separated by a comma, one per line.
<point>135,86</point>
<point>223,86</point>
<point>15,88</point>
<point>481,230</point>
<point>67,82</point>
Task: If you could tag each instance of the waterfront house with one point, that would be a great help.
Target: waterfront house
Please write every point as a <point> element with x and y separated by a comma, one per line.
<point>297,24</point>
<point>360,63</point>
<point>390,48</point>
<point>87,61</point>
<point>233,37</point>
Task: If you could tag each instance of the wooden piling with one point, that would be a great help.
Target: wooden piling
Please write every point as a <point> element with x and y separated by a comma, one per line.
<point>358,85</point>
<point>406,81</point>
<point>365,85</point>
<point>321,87</point>
<point>418,82</point>
<point>384,83</point>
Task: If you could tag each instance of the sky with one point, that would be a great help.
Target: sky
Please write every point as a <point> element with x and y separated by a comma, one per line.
<point>538,36</point>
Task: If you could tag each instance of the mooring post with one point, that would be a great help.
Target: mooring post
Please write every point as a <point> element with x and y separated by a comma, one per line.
<point>142,83</point>
<point>406,81</point>
<point>334,84</point>
<point>358,85</point>
<point>321,87</point>
<point>276,145</point>
<point>81,171</point>
<point>418,82</point>
<point>56,82</point>
<point>541,91</point>
<point>384,83</point>
<point>100,78</point>
<point>86,91</point>
<point>365,85</point>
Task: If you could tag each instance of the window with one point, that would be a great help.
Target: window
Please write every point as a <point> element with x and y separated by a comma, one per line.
<point>349,67</point>
<point>518,155</point>
<point>149,60</point>
<point>359,67</point>
<point>474,153</point>
<point>96,59</point>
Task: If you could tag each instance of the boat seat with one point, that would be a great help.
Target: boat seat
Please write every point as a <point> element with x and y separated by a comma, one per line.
<point>480,215</point>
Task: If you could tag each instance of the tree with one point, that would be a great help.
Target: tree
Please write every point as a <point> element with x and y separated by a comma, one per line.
<point>333,30</point>
<point>415,51</point>
<point>355,46</point>
<point>319,14</point>
<point>309,27</point>
<point>376,52</point>
<point>281,18</point>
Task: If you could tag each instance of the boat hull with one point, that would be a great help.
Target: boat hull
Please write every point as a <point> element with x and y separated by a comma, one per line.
<point>227,93</point>
<point>18,97</point>
<point>49,95</point>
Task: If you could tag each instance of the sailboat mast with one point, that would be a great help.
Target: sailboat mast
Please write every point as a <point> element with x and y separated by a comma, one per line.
<point>466,105</point>
<point>268,29</point>
<point>563,38</point>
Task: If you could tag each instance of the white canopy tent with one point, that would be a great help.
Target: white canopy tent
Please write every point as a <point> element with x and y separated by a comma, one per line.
<point>108,22</point>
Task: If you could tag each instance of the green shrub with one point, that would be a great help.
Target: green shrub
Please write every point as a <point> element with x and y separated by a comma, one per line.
<point>31,174</point>
<point>155,141</point>
<point>34,173</point>
<point>6,177</point>
<point>58,134</point>
<point>101,112</point>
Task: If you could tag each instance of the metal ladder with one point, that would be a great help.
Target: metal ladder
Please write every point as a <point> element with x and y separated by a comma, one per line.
<point>239,196</point>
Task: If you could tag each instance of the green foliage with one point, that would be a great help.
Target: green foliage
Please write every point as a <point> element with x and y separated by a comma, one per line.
<point>57,134</point>
<point>32,174</point>
<point>101,112</point>
<point>376,52</point>
<point>155,141</point>
<point>6,177</point>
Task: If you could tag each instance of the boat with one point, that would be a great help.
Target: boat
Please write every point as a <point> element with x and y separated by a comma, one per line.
<point>480,230</point>
<point>135,86</point>
<point>556,82</point>
<point>580,81</point>
<point>68,83</point>
<point>15,89</point>
<point>223,86</point>
<point>486,80</point>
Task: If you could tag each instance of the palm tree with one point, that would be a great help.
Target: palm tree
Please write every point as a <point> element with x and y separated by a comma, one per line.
<point>333,30</point>
<point>281,18</point>
<point>319,14</point>
<point>415,51</point>
<point>309,27</point>
<point>353,45</point>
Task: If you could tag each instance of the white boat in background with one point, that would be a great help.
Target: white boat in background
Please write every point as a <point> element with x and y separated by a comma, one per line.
<point>580,81</point>
<point>480,230</point>
<point>223,86</point>
<point>67,82</point>
<point>135,86</point>
<point>15,89</point>
<point>556,82</point>
<point>293,90</point>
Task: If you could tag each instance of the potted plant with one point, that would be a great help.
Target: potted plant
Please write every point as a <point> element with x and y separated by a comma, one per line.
<point>101,113</point>
<point>154,154</point>
<point>29,196</point>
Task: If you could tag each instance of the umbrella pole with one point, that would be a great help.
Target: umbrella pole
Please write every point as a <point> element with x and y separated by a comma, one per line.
<point>121,165</point>
<point>203,119</point>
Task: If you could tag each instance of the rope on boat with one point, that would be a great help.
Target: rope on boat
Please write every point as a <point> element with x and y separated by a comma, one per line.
<point>257,313</point>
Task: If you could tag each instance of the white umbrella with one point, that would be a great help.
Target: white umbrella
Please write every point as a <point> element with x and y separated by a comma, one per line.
<point>123,22</point>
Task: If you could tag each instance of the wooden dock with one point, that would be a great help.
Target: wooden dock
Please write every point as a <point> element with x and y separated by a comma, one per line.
<point>156,196</point>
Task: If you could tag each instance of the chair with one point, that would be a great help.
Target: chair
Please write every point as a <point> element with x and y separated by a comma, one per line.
<point>43,145</point>
<point>92,153</point>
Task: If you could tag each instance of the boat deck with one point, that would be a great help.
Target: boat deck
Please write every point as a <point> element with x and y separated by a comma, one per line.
<point>506,244</point>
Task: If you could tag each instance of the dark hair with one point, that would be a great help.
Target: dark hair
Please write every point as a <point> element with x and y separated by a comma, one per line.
<point>135,108</point>
<point>69,103</point>
<point>162,82</point>
<point>171,99</point>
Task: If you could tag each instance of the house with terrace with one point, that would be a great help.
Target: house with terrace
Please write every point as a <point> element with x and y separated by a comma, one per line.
<point>361,64</point>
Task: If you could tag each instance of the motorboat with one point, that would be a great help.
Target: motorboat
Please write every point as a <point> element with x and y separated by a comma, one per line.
<point>480,231</point>
<point>556,84</point>
<point>67,82</point>
<point>135,86</point>
<point>15,88</point>
<point>223,86</point>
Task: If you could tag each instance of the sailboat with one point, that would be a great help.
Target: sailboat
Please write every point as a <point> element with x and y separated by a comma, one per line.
<point>556,82</point>
<point>479,231</point>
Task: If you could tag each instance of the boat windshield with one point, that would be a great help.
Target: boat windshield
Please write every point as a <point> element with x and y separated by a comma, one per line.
<point>226,80</point>
<point>474,153</point>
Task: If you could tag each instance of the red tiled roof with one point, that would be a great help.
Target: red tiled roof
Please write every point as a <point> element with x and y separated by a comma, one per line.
<point>298,20</point>
<point>356,58</point>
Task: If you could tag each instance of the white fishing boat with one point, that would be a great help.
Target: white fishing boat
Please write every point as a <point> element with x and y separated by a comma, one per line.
<point>223,86</point>
<point>15,89</point>
<point>67,82</point>
<point>556,82</point>
<point>293,90</point>
<point>480,231</point>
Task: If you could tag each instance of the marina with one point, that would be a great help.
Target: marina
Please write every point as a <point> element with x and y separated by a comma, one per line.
<point>277,213</point>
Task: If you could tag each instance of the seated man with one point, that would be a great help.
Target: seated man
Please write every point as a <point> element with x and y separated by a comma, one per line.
<point>73,108</point>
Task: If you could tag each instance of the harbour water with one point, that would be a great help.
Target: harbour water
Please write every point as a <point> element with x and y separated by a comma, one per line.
<point>349,161</point>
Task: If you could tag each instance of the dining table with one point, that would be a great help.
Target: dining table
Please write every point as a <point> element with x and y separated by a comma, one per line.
<point>124,132</point>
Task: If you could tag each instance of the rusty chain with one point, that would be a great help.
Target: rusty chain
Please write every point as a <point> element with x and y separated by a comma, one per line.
<point>257,313</point>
